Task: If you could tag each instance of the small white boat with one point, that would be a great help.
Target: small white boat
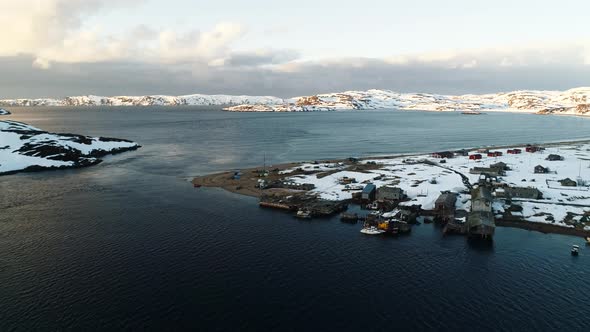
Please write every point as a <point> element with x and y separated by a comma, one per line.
<point>371,230</point>
<point>575,250</point>
<point>587,240</point>
<point>303,214</point>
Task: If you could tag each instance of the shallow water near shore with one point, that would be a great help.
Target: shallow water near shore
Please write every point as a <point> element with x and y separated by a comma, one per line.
<point>130,244</point>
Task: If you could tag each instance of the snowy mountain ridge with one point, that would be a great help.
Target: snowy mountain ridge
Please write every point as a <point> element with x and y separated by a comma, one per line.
<point>574,101</point>
<point>152,100</point>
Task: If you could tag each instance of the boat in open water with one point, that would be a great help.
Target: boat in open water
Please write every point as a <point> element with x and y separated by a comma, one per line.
<point>575,250</point>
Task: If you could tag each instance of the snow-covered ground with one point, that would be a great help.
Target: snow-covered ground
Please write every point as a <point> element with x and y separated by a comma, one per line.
<point>25,147</point>
<point>423,182</point>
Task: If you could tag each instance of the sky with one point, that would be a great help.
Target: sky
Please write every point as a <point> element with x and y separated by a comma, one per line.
<point>55,48</point>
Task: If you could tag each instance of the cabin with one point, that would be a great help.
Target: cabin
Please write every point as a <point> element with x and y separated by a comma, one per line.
<point>368,193</point>
<point>443,155</point>
<point>494,154</point>
<point>532,148</point>
<point>554,157</point>
<point>541,170</point>
<point>567,182</point>
<point>514,151</point>
<point>476,156</point>
<point>387,193</point>
<point>519,192</point>
<point>487,170</point>
<point>445,206</point>
<point>462,153</point>
<point>500,165</point>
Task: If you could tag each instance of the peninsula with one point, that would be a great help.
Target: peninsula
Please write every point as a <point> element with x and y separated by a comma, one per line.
<point>537,187</point>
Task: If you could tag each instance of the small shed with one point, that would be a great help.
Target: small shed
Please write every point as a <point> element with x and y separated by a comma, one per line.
<point>369,192</point>
<point>494,154</point>
<point>500,165</point>
<point>541,170</point>
<point>514,151</point>
<point>554,157</point>
<point>532,148</point>
<point>443,154</point>
<point>567,182</point>
<point>463,153</point>
<point>476,156</point>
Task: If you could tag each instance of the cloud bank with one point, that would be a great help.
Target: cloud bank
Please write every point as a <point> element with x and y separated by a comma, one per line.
<point>49,49</point>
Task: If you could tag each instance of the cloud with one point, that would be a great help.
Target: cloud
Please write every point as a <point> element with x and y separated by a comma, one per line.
<point>53,31</point>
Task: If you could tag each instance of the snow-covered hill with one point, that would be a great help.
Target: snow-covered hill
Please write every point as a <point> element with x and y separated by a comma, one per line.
<point>156,100</point>
<point>26,148</point>
<point>574,101</point>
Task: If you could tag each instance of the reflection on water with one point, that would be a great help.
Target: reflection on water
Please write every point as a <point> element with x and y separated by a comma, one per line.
<point>129,244</point>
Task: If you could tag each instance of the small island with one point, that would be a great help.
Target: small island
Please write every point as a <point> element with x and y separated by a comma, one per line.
<point>4,112</point>
<point>24,148</point>
<point>537,187</point>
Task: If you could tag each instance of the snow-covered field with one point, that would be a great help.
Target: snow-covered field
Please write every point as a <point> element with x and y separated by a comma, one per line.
<point>25,147</point>
<point>423,182</point>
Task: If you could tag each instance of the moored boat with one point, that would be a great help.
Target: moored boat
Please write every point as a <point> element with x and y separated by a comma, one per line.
<point>303,214</point>
<point>471,113</point>
<point>371,230</point>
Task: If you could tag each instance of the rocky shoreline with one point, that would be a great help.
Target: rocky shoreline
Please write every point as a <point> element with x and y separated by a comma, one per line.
<point>28,149</point>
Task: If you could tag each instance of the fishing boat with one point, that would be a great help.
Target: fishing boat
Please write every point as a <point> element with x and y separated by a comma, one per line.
<point>371,230</point>
<point>575,250</point>
<point>303,214</point>
<point>471,113</point>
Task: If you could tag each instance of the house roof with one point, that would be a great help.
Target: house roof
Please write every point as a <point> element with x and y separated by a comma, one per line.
<point>446,199</point>
<point>369,188</point>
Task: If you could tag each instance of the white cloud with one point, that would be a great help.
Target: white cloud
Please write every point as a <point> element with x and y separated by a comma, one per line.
<point>53,31</point>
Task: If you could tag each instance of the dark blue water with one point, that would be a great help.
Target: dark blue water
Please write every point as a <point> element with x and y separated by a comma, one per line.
<point>129,244</point>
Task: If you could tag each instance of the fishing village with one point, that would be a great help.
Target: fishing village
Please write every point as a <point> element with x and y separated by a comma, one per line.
<point>543,188</point>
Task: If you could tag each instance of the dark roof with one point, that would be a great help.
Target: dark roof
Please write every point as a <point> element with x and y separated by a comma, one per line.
<point>448,199</point>
<point>369,188</point>
<point>390,189</point>
<point>482,193</point>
